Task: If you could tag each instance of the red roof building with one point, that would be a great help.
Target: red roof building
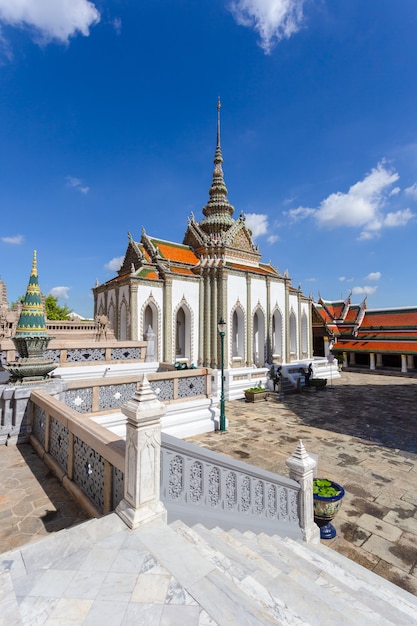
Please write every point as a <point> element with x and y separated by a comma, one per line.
<point>374,338</point>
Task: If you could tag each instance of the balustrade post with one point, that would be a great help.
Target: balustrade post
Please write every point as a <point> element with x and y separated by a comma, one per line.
<point>301,466</point>
<point>141,502</point>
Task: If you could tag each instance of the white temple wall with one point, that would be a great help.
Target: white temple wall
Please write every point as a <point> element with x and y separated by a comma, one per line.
<point>185,293</point>
<point>152,294</point>
<point>236,291</point>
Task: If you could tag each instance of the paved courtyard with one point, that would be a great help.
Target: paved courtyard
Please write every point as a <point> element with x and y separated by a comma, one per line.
<point>364,429</point>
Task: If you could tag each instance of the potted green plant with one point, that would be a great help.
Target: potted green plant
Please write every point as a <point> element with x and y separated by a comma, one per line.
<point>327,500</point>
<point>255,394</point>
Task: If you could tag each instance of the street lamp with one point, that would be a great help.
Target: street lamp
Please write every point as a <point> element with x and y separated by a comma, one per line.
<point>222,332</point>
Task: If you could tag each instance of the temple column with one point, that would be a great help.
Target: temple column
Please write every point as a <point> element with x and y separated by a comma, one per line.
<point>133,309</point>
<point>207,318</point>
<point>403,363</point>
<point>223,312</point>
<point>249,323</point>
<point>379,362</point>
<point>352,360</point>
<point>168,321</point>
<point>410,362</point>
<point>287,321</point>
<point>200,360</point>
<point>345,359</point>
<point>372,361</point>
<point>214,357</point>
<point>268,320</point>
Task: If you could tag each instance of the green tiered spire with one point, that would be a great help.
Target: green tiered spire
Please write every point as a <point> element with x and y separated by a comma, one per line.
<point>218,211</point>
<point>32,318</point>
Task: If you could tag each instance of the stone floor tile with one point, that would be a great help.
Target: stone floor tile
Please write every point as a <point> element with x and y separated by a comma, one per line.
<point>379,527</point>
<point>68,612</point>
<point>396,576</point>
<point>52,583</point>
<point>406,522</point>
<point>103,612</point>
<point>151,588</point>
<point>117,587</point>
<point>85,585</point>
<point>143,615</point>
<point>386,551</point>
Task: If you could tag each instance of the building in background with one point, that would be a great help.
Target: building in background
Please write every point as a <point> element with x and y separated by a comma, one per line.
<point>176,293</point>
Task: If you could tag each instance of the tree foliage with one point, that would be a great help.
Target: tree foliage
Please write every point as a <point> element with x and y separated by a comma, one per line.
<point>54,311</point>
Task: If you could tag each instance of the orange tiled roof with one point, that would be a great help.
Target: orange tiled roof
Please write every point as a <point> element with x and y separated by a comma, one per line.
<point>249,268</point>
<point>182,270</point>
<point>389,318</point>
<point>175,251</point>
<point>398,347</point>
<point>148,273</point>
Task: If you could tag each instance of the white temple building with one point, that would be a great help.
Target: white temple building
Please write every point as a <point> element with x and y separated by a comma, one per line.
<point>174,294</point>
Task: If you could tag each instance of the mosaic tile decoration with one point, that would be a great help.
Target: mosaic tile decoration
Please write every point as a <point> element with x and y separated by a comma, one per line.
<point>163,389</point>
<point>80,400</point>
<point>113,396</point>
<point>58,443</point>
<point>191,386</point>
<point>52,355</point>
<point>117,487</point>
<point>89,472</point>
<point>74,355</point>
<point>125,354</point>
<point>38,426</point>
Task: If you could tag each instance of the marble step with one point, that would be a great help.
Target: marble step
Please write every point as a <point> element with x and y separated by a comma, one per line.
<point>304,593</point>
<point>395,604</point>
<point>9,613</point>
<point>216,593</point>
<point>249,582</point>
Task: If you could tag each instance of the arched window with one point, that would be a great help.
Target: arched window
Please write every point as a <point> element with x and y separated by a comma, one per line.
<point>304,335</point>
<point>293,336</point>
<point>277,333</point>
<point>183,334</point>
<point>111,316</point>
<point>123,321</point>
<point>238,333</point>
<point>259,338</point>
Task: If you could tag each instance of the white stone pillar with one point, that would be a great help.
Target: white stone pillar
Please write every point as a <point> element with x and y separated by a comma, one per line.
<point>345,359</point>
<point>352,360</point>
<point>410,362</point>
<point>141,503</point>
<point>379,362</point>
<point>403,363</point>
<point>301,466</point>
<point>372,361</point>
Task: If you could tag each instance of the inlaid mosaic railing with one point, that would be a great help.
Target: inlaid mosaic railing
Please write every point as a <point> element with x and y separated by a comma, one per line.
<point>106,394</point>
<point>201,485</point>
<point>93,354</point>
<point>86,456</point>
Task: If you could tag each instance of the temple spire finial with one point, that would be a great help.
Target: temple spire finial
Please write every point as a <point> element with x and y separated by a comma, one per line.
<point>219,106</point>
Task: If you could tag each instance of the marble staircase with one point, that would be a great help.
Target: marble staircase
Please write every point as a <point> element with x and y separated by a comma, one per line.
<point>201,576</point>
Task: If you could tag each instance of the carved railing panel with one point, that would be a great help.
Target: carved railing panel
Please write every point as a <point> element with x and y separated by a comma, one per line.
<point>196,478</point>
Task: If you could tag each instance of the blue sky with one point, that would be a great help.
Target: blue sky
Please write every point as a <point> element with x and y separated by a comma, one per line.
<point>108,124</point>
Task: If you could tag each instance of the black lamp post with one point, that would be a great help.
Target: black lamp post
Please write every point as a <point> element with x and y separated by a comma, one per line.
<point>222,332</point>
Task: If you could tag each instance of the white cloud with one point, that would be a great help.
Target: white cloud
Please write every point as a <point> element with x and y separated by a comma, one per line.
<point>117,25</point>
<point>115,264</point>
<point>399,218</point>
<point>367,290</point>
<point>361,205</point>
<point>50,19</point>
<point>395,191</point>
<point>412,191</point>
<point>273,20</point>
<point>344,279</point>
<point>299,214</point>
<point>16,240</point>
<point>76,183</point>
<point>60,292</point>
<point>373,276</point>
<point>258,223</point>
<point>272,239</point>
